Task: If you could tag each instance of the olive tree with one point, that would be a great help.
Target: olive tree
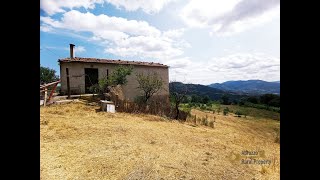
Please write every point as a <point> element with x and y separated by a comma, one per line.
<point>149,84</point>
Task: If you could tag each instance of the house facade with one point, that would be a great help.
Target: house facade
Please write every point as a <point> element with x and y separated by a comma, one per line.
<point>84,72</point>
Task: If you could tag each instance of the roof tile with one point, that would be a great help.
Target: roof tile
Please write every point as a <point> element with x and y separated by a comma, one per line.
<point>110,61</point>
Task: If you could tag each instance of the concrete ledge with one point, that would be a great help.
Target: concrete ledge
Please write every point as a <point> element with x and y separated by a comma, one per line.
<point>66,101</point>
<point>56,98</point>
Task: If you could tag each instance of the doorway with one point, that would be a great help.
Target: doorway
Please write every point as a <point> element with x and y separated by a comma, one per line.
<point>91,78</point>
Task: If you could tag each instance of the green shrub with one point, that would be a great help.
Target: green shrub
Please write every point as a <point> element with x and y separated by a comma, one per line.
<point>262,106</point>
<point>218,107</point>
<point>239,113</point>
<point>203,107</point>
<point>225,111</point>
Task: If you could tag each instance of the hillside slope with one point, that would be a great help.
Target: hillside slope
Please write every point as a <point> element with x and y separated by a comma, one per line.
<point>202,90</point>
<point>78,141</point>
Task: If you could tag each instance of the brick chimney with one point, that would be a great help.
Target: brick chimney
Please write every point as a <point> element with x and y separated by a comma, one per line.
<point>72,51</point>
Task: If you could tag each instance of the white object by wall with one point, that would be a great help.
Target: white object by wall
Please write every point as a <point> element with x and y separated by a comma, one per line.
<point>107,106</point>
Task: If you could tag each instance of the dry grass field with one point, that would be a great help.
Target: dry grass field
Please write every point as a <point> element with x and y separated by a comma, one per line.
<point>79,142</point>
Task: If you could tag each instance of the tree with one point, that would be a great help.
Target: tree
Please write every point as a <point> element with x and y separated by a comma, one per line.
<point>225,99</point>
<point>101,87</point>
<point>195,98</point>
<point>149,84</point>
<point>117,77</point>
<point>47,75</point>
<point>186,99</point>
<point>253,100</point>
<point>270,100</point>
<point>205,99</point>
<point>177,95</point>
<point>275,102</point>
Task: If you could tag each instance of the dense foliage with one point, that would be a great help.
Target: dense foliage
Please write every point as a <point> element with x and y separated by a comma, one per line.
<point>117,77</point>
<point>47,75</point>
<point>198,94</point>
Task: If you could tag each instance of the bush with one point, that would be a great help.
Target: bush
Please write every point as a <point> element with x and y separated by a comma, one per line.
<point>262,106</point>
<point>239,113</point>
<point>139,100</point>
<point>225,111</point>
<point>202,107</point>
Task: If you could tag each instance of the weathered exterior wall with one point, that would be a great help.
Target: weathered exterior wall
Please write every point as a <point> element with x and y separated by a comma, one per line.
<point>77,78</point>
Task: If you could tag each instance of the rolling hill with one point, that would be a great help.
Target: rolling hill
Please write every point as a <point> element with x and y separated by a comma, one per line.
<point>202,90</point>
<point>250,87</point>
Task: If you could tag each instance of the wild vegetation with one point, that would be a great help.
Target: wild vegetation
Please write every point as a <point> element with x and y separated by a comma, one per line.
<point>117,77</point>
<point>47,75</point>
<point>149,84</point>
<point>203,94</point>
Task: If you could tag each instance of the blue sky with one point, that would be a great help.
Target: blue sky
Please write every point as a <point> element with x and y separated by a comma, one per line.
<point>203,41</point>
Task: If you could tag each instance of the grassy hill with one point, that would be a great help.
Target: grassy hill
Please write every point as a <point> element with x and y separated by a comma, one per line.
<point>79,142</point>
<point>202,90</point>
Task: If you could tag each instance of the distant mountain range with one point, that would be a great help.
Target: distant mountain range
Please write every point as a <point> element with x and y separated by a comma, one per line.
<point>249,87</point>
<point>203,90</point>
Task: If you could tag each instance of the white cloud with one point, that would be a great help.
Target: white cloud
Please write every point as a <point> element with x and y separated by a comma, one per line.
<point>145,46</point>
<point>148,6</point>
<point>122,37</point>
<point>178,63</point>
<point>174,33</point>
<point>45,28</point>
<point>52,7</point>
<point>77,21</point>
<point>229,17</point>
<point>239,66</point>
<point>79,49</point>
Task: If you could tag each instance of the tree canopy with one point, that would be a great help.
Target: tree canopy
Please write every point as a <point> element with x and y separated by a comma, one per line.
<point>149,83</point>
<point>47,75</point>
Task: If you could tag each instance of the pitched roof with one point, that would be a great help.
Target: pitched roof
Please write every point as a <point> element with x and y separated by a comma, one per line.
<point>110,61</point>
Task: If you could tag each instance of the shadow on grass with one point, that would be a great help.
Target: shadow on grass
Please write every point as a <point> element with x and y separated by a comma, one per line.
<point>91,99</point>
<point>98,110</point>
